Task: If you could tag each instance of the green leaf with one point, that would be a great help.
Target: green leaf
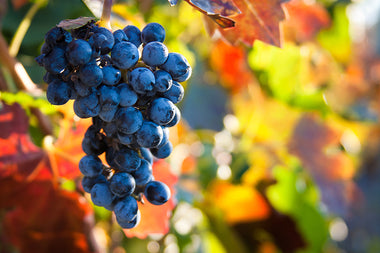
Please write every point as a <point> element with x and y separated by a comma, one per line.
<point>295,195</point>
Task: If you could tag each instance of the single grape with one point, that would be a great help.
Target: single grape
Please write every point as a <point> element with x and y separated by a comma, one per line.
<point>155,53</point>
<point>128,120</point>
<point>161,111</point>
<point>128,96</point>
<point>126,209</point>
<point>90,166</point>
<point>124,55</point>
<point>78,52</point>
<point>149,135</point>
<point>175,93</point>
<point>87,107</point>
<point>153,32</point>
<point>163,80</point>
<point>111,75</point>
<point>109,99</point>
<point>101,194</point>
<point>176,64</point>
<point>176,118</point>
<point>58,92</point>
<point>134,34</point>
<point>163,151</point>
<point>102,40</point>
<point>119,36</point>
<point>122,184</point>
<point>143,174</point>
<point>129,224</point>
<point>55,62</point>
<point>91,74</point>
<point>142,80</point>
<point>89,182</point>
<point>157,192</point>
<point>125,160</point>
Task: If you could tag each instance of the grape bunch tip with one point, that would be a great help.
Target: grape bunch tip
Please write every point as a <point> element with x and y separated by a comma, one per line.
<point>129,84</point>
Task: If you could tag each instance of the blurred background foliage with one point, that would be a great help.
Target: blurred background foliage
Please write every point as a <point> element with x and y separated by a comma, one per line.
<point>278,149</point>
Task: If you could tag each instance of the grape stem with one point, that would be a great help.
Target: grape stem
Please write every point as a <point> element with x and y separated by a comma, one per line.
<point>106,14</point>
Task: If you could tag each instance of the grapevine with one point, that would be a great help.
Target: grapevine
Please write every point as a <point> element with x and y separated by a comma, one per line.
<point>129,84</point>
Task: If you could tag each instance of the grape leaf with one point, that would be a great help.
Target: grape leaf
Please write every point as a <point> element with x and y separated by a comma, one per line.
<point>259,20</point>
<point>229,62</point>
<point>317,145</point>
<point>217,10</point>
<point>155,219</point>
<point>43,217</point>
<point>305,20</point>
<point>228,197</point>
<point>69,24</point>
<point>29,191</point>
<point>19,156</point>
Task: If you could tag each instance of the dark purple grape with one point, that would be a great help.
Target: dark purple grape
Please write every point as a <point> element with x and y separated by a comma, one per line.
<point>128,120</point>
<point>134,34</point>
<point>91,74</point>
<point>163,151</point>
<point>55,62</point>
<point>153,32</point>
<point>101,194</point>
<point>128,96</point>
<point>122,184</point>
<point>143,174</point>
<point>157,192</point>
<point>142,80</point>
<point>90,166</point>
<point>175,93</point>
<point>176,64</point>
<point>149,135</point>
<point>111,75</point>
<point>58,92</point>
<point>163,80</point>
<point>155,53</point>
<point>119,36</point>
<point>126,209</point>
<point>124,55</point>
<point>78,52</point>
<point>161,111</point>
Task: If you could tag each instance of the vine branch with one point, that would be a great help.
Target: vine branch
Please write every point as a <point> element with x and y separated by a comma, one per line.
<point>105,20</point>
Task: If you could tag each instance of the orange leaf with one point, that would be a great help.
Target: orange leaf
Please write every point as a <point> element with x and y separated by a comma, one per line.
<point>155,219</point>
<point>305,20</point>
<point>230,62</point>
<point>239,203</point>
<point>259,20</point>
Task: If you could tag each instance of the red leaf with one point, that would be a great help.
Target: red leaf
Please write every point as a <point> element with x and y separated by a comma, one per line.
<point>19,156</point>
<point>217,10</point>
<point>155,219</point>
<point>259,20</point>
<point>44,218</point>
<point>305,20</point>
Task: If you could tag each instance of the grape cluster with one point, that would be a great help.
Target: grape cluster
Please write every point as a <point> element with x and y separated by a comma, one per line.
<point>131,101</point>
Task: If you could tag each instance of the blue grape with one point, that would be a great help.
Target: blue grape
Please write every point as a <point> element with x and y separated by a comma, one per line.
<point>134,34</point>
<point>90,166</point>
<point>146,154</point>
<point>55,62</point>
<point>58,92</point>
<point>157,192</point>
<point>153,32</point>
<point>91,74</point>
<point>183,77</point>
<point>119,36</point>
<point>176,118</point>
<point>102,40</point>
<point>149,135</point>
<point>163,151</point>
<point>128,96</point>
<point>125,160</point>
<point>93,141</point>
<point>89,182</point>
<point>142,80</point>
<point>101,194</point>
<point>128,120</point>
<point>154,53</point>
<point>163,80</point>
<point>129,224</point>
<point>126,139</point>
<point>86,107</point>
<point>122,184</point>
<point>82,89</point>
<point>111,75</point>
<point>126,209</point>
<point>176,64</point>
<point>175,93</point>
<point>124,55</point>
<point>161,111</point>
<point>57,36</point>
<point>143,174</point>
<point>109,99</point>
<point>78,52</point>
